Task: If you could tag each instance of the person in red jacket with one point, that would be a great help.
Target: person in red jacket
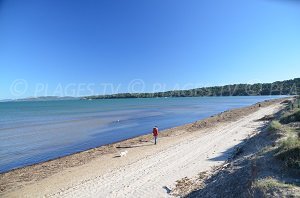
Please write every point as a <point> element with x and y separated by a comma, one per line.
<point>155,134</point>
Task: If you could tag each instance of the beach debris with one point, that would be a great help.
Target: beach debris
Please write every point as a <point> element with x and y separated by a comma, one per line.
<point>167,189</point>
<point>123,153</point>
<point>266,118</point>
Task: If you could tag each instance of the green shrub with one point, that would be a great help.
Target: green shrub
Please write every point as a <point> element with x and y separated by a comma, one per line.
<point>268,187</point>
<point>289,152</point>
<point>274,126</point>
<point>291,117</point>
<point>269,183</point>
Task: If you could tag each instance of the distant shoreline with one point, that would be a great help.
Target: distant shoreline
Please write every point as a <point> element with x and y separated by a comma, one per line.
<point>281,88</point>
<point>115,98</point>
<point>46,99</point>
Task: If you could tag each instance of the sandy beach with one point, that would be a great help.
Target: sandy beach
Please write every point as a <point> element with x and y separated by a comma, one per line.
<point>147,170</point>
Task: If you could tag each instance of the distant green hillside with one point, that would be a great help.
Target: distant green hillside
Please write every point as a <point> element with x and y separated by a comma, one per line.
<point>287,87</point>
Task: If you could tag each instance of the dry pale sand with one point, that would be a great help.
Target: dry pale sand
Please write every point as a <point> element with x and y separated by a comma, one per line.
<point>150,170</point>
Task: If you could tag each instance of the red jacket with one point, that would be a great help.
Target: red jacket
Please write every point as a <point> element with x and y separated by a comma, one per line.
<point>155,132</point>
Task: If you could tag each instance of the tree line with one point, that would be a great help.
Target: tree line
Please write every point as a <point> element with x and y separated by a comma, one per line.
<point>286,87</point>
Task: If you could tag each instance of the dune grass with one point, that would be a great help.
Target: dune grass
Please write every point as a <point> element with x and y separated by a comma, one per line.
<point>293,116</point>
<point>289,152</point>
<point>275,126</point>
<point>288,148</point>
<point>269,183</point>
<point>270,187</point>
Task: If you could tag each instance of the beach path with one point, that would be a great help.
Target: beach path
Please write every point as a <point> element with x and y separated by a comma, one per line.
<point>151,170</point>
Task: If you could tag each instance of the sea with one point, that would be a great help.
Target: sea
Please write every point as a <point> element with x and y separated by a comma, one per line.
<point>37,131</point>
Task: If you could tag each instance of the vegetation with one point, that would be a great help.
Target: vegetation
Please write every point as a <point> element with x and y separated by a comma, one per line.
<point>294,116</point>
<point>287,87</point>
<point>286,150</point>
<point>269,183</point>
<point>289,148</point>
<point>271,187</point>
<point>274,126</point>
<point>289,152</point>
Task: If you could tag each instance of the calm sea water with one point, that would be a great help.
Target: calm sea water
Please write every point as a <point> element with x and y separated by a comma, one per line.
<point>32,132</point>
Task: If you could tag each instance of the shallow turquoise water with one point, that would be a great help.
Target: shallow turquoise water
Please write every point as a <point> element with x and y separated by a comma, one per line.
<point>32,132</point>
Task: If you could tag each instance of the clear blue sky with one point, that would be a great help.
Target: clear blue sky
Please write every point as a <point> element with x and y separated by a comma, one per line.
<point>58,42</point>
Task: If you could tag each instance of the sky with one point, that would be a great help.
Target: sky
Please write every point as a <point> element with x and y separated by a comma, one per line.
<point>88,47</point>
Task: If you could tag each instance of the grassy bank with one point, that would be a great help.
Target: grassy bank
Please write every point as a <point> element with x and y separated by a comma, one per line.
<point>286,152</point>
<point>266,165</point>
